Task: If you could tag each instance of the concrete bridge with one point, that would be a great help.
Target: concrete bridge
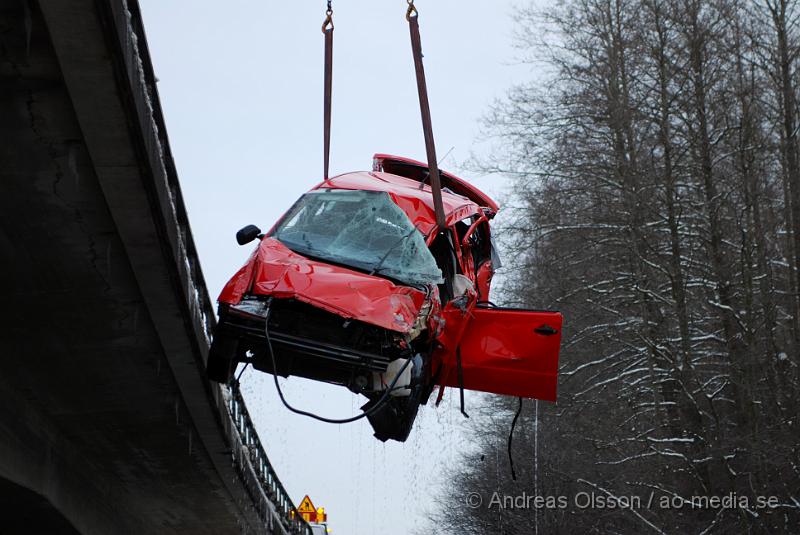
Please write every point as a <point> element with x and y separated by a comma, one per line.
<point>107,421</point>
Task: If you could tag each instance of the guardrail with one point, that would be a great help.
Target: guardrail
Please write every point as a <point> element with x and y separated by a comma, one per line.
<point>250,449</point>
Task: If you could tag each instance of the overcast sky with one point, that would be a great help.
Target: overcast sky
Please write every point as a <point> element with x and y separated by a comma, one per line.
<point>241,87</point>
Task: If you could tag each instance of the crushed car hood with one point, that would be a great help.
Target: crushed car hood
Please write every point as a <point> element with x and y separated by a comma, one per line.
<point>277,271</point>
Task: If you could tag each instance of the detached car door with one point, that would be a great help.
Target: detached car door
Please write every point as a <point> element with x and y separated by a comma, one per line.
<point>510,351</point>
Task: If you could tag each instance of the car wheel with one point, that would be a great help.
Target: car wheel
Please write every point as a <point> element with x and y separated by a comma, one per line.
<point>396,418</point>
<point>221,363</point>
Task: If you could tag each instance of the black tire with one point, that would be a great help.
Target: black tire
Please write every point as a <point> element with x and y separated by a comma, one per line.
<point>222,359</point>
<point>396,418</point>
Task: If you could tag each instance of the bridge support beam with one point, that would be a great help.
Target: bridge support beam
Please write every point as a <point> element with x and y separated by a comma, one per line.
<point>105,411</point>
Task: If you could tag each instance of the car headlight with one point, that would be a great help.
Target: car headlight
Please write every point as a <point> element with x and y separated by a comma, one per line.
<point>251,307</point>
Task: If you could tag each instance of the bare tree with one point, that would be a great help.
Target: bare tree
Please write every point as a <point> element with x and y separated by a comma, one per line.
<point>655,205</point>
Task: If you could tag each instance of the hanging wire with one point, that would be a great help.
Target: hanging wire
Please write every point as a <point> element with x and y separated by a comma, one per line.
<point>536,463</point>
<point>511,437</point>
<point>380,404</point>
<point>246,364</point>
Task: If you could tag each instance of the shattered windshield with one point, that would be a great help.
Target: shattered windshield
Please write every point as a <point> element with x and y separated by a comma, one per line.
<point>360,229</point>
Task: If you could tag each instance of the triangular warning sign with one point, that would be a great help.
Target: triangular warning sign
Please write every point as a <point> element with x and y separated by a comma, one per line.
<point>306,506</point>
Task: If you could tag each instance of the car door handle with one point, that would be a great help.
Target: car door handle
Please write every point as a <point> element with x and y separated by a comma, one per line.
<point>545,330</point>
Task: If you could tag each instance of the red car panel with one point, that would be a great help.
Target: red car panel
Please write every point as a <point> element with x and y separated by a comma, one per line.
<point>277,271</point>
<point>508,351</point>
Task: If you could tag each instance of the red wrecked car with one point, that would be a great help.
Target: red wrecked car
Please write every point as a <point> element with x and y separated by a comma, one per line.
<point>357,285</point>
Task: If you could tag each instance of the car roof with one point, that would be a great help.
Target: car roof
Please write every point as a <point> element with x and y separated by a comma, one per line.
<point>416,202</point>
<point>418,171</point>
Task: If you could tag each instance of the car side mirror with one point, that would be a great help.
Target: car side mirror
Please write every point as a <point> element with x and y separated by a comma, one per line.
<point>247,234</point>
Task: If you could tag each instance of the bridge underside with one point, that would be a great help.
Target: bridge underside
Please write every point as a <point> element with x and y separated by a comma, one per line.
<point>30,513</point>
<point>105,418</point>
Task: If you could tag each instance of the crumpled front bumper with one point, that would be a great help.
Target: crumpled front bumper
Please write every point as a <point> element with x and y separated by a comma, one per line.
<point>248,321</point>
<point>309,342</point>
<point>276,271</point>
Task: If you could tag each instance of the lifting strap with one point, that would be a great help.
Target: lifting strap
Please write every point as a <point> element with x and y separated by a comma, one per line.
<point>327,29</point>
<point>412,16</point>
